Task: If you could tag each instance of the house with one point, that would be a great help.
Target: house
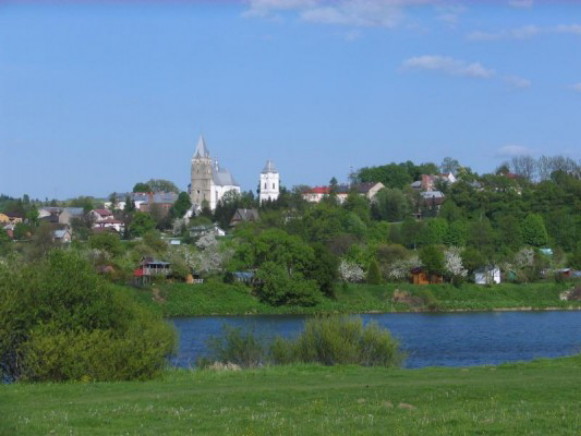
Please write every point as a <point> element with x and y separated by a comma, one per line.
<point>316,194</point>
<point>98,215</point>
<point>12,218</point>
<point>487,275</point>
<point>421,277</point>
<point>109,225</point>
<point>67,214</point>
<point>244,215</point>
<point>368,190</point>
<point>209,229</point>
<point>63,236</point>
<point>150,266</point>
<point>146,202</point>
<point>428,182</point>
<point>49,214</point>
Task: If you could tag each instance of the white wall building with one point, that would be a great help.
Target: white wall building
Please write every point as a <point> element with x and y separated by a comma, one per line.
<point>210,182</point>
<point>269,183</point>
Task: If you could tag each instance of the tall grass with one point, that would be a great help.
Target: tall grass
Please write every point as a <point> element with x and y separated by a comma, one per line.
<point>328,341</point>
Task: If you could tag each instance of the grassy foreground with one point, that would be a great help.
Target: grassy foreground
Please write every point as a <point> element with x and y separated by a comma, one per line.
<point>221,299</point>
<point>541,398</point>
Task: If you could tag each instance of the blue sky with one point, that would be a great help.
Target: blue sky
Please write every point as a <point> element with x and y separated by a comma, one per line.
<point>96,96</point>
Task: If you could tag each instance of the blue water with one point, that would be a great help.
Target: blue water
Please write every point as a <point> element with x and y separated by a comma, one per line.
<point>458,339</point>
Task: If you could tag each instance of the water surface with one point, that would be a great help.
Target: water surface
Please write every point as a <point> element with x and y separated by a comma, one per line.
<point>449,339</point>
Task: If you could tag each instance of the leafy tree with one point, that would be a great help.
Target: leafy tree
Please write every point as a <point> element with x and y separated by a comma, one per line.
<point>141,224</point>
<point>181,206</point>
<point>324,269</point>
<point>533,230</point>
<point>277,287</point>
<point>108,242</point>
<point>449,165</point>
<point>434,231</point>
<point>60,321</point>
<point>373,273</point>
<point>433,260</point>
<point>411,232</point>
<point>142,187</point>
<point>161,185</point>
<point>391,205</point>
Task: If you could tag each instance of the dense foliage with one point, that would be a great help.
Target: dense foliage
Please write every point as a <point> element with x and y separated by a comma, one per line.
<point>325,340</point>
<point>60,321</point>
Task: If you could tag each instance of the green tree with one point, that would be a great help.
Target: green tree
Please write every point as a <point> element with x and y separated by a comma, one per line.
<point>373,273</point>
<point>533,230</point>
<point>108,242</point>
<point>161,185</point>
<point>391,205</point>
<point>433,260</point>
<point>181,206</point>
<point>142,187</point>
<point>141,224</point>
<point>60,321</point>
<point>434,231</point>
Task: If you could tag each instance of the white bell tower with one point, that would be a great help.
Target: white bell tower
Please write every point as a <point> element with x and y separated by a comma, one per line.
<point>269,183</point>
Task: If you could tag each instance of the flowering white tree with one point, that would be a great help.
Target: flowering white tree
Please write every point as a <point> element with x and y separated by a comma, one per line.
<point>350,271</point>
<point>525,257</point>
<point>454,262</point>
<point>400,268</point>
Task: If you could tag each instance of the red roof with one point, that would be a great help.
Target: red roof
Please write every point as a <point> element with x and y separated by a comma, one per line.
<point>319,190</point>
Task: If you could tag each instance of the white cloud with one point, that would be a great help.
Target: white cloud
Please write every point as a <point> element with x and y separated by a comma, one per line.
<point>574,29</point>
<point>525,32</point>
<point>360,13</point>
<point>521,4</point>
<point>517,82</point>
<point>513,150</point>
<point>450,13</point>
<point>576,87</point>
<point>448,65</point>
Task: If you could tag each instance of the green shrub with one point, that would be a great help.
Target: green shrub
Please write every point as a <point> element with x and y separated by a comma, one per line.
<point>235,346</point>
<point>339,340</point>
<point>60,321</point>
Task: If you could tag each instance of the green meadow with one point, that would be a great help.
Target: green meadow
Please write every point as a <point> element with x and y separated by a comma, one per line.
<point>216,298</point>
<point>537,398</point>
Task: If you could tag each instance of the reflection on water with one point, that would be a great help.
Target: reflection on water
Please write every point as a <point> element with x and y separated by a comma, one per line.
<point>459,339</point>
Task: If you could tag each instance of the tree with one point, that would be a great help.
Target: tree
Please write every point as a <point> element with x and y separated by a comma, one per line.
<point>142,187</point>
<point>275,286</point>
<point>449,165</point>
<point>181,206</point>
<point>434,231</point>
<point>525,166</point>
<point>433,260</point>
<point>533,230</point>
<point>391,205</point>
<point>141,224</point>
<point>373,274</point>
<point>161,185</point>
<point>60,321</point>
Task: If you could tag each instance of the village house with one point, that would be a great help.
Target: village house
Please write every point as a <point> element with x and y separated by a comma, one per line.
<point>368,190</point>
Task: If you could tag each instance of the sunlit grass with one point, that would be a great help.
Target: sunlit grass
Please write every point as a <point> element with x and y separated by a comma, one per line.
<point>535,398</point>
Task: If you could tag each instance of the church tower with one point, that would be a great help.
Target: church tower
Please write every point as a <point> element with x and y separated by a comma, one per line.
<point>201,188</point>
<point>269,183</point>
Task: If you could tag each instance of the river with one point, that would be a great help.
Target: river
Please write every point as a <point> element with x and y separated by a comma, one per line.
<point>449,339</point>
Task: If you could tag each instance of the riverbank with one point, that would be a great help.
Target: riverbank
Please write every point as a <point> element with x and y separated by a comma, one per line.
<point>533,398</point>
<point>181,300</point>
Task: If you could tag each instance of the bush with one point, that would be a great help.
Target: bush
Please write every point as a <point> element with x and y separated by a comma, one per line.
<point>336,340</point>
<point>235,346</point>
<point>329,341</point>
<point>60,321</point>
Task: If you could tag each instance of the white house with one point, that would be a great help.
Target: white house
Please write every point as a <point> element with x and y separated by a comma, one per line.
<point>487,275</point>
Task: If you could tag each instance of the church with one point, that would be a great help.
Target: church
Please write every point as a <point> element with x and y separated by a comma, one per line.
<point>209,182</point>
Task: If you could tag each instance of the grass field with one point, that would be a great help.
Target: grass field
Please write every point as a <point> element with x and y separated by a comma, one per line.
<point>221,299</point>
<point>538,398</point>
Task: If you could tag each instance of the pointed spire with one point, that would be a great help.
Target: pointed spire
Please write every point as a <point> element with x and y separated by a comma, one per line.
<point>201,149</point>
<point>269,167</point>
